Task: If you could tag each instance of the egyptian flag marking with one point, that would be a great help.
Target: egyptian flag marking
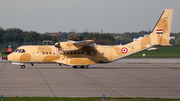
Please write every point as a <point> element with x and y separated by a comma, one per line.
<point>159,31</point>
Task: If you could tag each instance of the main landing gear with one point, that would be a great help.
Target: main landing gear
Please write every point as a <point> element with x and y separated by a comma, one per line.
<point>79,66</point>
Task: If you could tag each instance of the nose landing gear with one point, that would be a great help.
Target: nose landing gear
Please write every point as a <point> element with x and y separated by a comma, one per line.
<point>22,66</point>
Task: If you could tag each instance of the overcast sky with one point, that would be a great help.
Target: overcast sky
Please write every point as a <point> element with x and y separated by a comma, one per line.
<point>113,16</point>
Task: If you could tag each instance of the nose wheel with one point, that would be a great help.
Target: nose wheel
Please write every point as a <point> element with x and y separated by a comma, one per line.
<point>22,66</point>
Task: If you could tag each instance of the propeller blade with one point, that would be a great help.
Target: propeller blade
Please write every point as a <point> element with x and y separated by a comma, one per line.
<point>58,45</point>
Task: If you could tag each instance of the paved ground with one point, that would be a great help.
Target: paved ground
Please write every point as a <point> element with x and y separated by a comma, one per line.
<point>124,78</point>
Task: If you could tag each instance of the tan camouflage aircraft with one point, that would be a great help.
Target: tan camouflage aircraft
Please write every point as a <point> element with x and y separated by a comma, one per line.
<point>84,53</point>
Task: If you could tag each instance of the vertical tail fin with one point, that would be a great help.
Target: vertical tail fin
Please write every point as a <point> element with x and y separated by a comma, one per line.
<point>161,32</point>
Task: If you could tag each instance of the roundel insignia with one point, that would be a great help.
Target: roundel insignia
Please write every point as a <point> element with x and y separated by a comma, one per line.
<point>124,50</point>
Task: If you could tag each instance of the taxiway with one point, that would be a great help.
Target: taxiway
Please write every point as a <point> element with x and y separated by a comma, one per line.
<point>123,78</point>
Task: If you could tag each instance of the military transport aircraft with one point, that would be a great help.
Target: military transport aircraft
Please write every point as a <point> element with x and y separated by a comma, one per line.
<point>84,53</point>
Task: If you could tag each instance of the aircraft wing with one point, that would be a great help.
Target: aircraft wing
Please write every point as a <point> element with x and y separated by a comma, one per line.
<point>84,43</point>
<point>75,45</point>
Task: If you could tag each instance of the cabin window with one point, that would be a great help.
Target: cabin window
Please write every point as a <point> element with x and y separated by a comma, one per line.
<point>99,53</point>
<point>81,52</point>
<point>23,51</point>
<point>43,52</point>
<point>78,53</point>
<point>67,53</point>
<point>53,53</point>
<point>71,53</point>
<point>46,52</point>
<point>88,52</point>
<point>102,53</point>
<point>64,53</point>
<point>84,52</point>
<point>91,52</point>
<point>95,53</point>
<point>74,52</point>
<point>37,52</point>
<point>49,52</point>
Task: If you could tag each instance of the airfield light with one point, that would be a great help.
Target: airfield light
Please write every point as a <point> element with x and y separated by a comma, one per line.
<point>2,97</point>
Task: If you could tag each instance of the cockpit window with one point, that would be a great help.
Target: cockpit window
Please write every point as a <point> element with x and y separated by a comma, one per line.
<point>23,51</point>
<point>16,50</point>
<point>20,51</point>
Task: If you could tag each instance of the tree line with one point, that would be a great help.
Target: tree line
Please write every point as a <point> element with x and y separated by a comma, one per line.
<point>102,39</point>
<point>128,37</point>
<point>16,35</point>
<point>175,41</point>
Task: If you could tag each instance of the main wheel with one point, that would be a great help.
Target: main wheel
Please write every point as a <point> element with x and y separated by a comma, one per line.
<point>78,66</point>
<point>22,66</point>
<point>85,66</point>
<point>81,66</point>
<point>74,67</point>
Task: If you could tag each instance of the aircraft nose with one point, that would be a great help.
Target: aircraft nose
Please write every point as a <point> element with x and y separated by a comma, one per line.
<point>9,57</point>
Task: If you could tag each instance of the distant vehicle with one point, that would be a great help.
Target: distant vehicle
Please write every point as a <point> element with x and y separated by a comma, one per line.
<point>9,49</point>
<point>47,42</point>
<point>87,52</point>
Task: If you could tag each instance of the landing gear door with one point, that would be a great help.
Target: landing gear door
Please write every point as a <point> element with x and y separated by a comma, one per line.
<point>108,53</point>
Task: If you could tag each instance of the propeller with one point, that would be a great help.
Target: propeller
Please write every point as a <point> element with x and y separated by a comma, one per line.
<point>58,45</point>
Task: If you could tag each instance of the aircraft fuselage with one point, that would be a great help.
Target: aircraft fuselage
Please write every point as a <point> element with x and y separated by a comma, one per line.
<point>85,56</point>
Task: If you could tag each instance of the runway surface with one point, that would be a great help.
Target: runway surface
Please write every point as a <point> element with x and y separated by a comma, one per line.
<point>123,78</point>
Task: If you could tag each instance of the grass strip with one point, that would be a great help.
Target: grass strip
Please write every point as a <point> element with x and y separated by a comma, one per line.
<point>164,52</point>
<point>85,99</point>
